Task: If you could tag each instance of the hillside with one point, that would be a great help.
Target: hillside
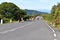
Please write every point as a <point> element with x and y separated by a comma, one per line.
<point>31,12</point>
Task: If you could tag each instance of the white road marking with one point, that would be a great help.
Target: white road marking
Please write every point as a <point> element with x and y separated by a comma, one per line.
<point>54,34</point>
<point>50,27</point>
<point>14,29</point>
<point>55,39</point>
<point>52,30</point>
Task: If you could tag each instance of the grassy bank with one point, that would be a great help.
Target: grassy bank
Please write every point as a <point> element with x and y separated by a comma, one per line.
<point>49,20</point>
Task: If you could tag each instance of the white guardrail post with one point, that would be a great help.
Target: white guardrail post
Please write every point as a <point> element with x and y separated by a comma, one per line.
<point>1,21</point>
<point>10,20</point>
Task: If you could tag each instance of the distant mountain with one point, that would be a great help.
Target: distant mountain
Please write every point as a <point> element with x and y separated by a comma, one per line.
<point>31,12</point>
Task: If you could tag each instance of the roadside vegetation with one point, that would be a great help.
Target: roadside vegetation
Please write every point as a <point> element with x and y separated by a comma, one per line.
<point>9,11</point>
<point>54,17</point>
<point>46,17</point>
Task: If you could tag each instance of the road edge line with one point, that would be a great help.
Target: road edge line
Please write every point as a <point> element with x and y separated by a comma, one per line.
<point>55,35</point>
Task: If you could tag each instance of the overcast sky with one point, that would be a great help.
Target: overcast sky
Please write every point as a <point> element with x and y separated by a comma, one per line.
<point>33,4</point>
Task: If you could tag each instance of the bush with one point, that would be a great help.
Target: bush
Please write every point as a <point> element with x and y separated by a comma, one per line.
<point>6,20</point>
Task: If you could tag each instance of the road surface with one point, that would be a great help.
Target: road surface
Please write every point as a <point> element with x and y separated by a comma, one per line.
<point>58,34</point>
<point>29,30</point>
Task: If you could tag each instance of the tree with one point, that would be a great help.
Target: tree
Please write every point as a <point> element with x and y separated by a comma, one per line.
<point>11,11</point>
<point>55,13</point>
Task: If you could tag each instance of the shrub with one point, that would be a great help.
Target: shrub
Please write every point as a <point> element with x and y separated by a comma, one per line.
<point>6,20</point>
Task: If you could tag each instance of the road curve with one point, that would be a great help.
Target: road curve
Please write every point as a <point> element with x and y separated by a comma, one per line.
<point>36,30</point>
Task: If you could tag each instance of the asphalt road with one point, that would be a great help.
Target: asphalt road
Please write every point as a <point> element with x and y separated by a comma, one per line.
<point>58,34</point>
<point>29,30</point>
